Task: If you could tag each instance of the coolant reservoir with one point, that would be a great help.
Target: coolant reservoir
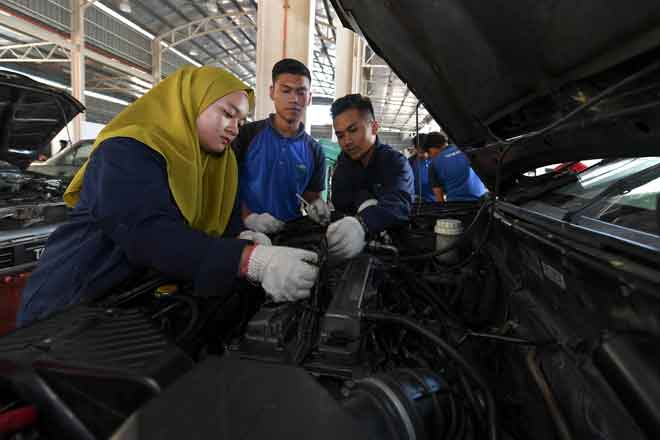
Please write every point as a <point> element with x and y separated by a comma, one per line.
<point>447,233</point>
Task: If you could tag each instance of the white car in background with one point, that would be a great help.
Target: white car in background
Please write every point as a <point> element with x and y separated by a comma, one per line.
<point>66,162</point>
<point>31,205</point>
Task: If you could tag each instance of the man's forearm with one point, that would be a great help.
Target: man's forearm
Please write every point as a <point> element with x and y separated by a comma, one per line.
<point>392,209</point>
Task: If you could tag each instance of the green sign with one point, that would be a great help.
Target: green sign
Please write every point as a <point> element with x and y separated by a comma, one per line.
<point>331,151</point>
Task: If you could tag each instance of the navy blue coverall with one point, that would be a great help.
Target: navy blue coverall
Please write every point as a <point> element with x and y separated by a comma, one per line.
<point>125,223</point>
<point>387,178</point>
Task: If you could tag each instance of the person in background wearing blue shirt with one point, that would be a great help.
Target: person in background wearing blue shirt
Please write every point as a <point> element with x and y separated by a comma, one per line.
<point>451,176</point>
<point>420,162</point>
<point>278,160</point>
<point>372,183</point>
<point>159,193</point>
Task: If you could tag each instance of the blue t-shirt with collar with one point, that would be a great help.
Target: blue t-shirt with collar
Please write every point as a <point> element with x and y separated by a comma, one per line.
<point>452,172</point>
<point>274,168</point>
<point>420,169</point>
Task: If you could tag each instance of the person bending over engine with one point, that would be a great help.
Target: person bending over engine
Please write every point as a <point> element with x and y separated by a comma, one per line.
<point>451,176</point>
<point>373,184</point>
<point>159,192</point>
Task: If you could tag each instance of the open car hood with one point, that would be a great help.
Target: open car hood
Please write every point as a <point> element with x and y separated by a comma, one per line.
<point>31,114</point>
<point>500,69</point>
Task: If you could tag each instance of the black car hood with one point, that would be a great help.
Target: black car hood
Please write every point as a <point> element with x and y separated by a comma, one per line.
<point>499,69</point>
<point>31,114</point>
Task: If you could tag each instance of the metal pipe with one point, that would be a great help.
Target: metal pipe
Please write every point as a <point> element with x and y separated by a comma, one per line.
<point>550,401</point>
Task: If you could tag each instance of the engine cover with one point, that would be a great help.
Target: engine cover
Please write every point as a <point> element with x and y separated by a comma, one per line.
<point>97,363</point>
<point>271,333</point>
<point>341,327</point>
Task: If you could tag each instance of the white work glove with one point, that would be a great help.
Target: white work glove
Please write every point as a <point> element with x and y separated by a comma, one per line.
<point>265,223</point>
<point>319,211</point>
<point>367,203</point>
<point>255,237</point>
<point>286,274</point>
<point>346,238</point>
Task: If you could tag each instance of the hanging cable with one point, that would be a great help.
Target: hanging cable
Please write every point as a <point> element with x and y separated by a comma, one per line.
<point>511,142</point>
<point>474,375</point>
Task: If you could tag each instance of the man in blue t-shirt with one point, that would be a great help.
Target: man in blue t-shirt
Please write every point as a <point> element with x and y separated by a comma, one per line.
<point>420,163</point>
<point>278,160</point>
<point>451,176</point>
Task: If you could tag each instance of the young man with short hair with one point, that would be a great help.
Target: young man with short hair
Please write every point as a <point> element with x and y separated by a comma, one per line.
<point>420,163</point>
<point>451,176</point>
<point>278,160</point>
<point>372,182</point>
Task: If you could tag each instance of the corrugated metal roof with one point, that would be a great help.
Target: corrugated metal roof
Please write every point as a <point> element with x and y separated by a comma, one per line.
<point>234,48</point>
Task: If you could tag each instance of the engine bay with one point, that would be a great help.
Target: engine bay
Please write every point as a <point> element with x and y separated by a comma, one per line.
<point>497,336</point>
<point>28,199</point>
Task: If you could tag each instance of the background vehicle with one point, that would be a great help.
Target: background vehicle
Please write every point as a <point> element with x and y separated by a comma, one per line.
<point>66,162</point>
<point>30,204</point>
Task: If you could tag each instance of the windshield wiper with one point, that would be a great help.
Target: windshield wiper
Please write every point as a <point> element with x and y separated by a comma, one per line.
<point>530,188</point>
<point>621,186</point>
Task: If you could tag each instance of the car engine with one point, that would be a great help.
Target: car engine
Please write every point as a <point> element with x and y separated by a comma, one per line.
<point>28,199</point>
<point>403,342</point>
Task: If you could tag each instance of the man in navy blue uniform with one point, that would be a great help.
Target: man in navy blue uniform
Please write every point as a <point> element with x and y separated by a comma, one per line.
<point>372,183</point>
<point>451,176</point>
<point>278,160</point>
<point>420,162</point>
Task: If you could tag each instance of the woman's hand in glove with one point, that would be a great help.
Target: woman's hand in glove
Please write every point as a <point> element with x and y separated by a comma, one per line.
<point>346,238</point>
<point>255,237</point>
<point>265,223</point>
<point>286,274</point>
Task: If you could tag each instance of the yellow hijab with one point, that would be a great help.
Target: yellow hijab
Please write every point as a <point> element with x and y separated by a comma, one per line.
<point>203,185</point>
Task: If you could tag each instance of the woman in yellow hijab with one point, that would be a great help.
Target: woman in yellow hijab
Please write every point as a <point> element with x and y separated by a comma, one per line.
<point>159,192</point>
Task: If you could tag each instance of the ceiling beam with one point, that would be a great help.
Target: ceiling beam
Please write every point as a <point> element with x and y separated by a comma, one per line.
<point>163,21</point>
<point>43,52</point>
<point>228,36</point>
<point>195,29</point>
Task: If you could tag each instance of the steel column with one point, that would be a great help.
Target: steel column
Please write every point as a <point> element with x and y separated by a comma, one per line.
<point>285,29</point>
<point>78,62</point>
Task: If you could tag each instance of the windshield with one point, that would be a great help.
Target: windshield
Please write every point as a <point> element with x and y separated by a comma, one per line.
<point>66,162</point>
<point>624,192</point>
